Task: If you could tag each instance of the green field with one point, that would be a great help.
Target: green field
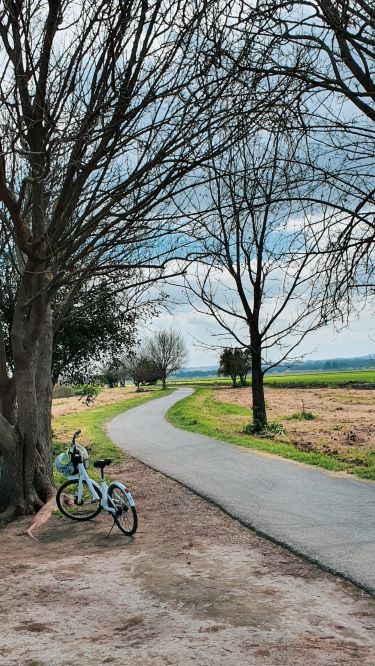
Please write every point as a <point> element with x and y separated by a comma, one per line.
<point>205,381</point>
<point>352,377</point>
<point>202,413</point>
<point>360,378</point>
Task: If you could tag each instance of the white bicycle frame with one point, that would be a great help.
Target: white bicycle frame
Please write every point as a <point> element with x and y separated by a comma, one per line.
<point>94,486</point>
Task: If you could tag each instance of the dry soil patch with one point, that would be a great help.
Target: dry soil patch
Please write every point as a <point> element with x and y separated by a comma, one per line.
<point>344,418</point>
<point>74,405</point>
<point>192,587</point>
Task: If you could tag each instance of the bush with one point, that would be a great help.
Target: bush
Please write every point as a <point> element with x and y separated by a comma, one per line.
<point>62,391</point>
<point>271,430</point>
<point>303,416</point>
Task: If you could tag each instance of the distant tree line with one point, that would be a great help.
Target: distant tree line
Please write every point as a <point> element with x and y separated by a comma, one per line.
<point>352,363</point>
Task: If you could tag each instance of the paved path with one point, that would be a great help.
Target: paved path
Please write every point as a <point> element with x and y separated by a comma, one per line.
<point>328,518</point>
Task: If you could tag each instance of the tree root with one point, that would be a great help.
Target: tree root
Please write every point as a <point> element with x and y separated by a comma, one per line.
<point>41,517</point>
<point>8,515</point>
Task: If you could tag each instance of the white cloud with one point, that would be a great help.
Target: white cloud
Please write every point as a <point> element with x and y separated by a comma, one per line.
<point>324,343</point>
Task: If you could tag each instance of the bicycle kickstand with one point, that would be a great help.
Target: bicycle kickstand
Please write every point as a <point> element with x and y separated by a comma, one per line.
<point>110,529</point>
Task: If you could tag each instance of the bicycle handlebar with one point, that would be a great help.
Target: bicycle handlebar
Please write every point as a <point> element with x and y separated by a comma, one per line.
<point>77,432</point>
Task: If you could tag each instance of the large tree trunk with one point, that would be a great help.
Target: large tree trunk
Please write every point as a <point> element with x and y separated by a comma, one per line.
<point>26,481</point>
<point>257,385</point>
<point>11,478</point>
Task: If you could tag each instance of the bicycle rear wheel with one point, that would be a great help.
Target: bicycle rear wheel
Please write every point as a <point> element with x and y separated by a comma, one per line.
<point>126,519</point>
<point>67,501</point>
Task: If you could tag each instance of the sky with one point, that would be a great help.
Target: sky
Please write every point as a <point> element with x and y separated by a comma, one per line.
<point>324,343</point>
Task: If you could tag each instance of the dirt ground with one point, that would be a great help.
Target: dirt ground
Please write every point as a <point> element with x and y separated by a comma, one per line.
<point>192,587</point>
<point>74,405</point>
<point>344,418</point>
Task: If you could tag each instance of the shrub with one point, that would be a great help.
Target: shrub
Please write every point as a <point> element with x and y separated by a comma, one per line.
<point>271,430</point>
<point>62,391</point>
<point>88,392</point>
<point>303,416</point>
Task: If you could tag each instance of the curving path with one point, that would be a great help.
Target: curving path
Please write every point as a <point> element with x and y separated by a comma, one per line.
<point>326,517</point>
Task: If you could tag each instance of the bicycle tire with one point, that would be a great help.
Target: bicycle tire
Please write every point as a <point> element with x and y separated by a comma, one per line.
<point>73,512</point>
<point>127,521</point>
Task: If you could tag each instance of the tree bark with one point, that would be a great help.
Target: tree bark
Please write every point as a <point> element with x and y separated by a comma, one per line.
<point>257,385</point>
<point>26,480</point>
<point>11,477</point>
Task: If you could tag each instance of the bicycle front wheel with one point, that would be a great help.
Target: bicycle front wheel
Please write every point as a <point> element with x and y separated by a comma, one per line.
<point>126,518</point>
<point>76,508</point>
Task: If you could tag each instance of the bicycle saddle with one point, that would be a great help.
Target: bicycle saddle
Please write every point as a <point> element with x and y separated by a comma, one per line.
<point>100,464</point>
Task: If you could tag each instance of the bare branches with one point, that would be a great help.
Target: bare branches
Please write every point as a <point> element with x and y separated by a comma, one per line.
<point>329,49</point>
<point>167,351</point>
<point>327,46</point>
<point>109,104</point>
<point>261,278</point>
<point>110,108</point>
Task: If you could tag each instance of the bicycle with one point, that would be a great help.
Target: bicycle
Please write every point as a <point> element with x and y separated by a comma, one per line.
<point>82,498</point>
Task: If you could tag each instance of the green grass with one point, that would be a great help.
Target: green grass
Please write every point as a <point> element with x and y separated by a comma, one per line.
<point>201,381</point>
<point>353,378</point>
<point>202,413</point>
<point>94,436</point>
<point>302,416</point>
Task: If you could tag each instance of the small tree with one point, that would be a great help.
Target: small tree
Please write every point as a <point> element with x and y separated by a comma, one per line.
<point>227,367</point>
<point>142,370</point>
<point>235,363</point>
<point>110,376</point>
<point>167,350</point>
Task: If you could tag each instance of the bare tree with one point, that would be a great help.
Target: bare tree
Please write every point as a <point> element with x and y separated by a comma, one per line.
<point>168,352</point>
<point>257,276</point>
<point>105,110</point>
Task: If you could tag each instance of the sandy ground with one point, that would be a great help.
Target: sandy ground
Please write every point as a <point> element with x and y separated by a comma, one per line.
<point>192,587</point>
<point>344,418</point>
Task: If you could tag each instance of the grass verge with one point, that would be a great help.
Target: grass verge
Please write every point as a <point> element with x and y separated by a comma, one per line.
<point>202,413</point>
<point>94,437</point>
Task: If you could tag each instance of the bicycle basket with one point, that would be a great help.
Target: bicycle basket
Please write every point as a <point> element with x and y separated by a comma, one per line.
<point>64,464</point>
